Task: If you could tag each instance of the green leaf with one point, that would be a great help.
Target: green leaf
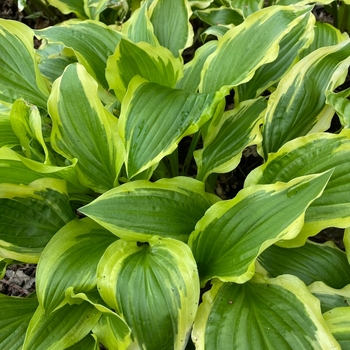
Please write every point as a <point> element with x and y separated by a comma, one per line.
<point>19,73</point>
<point>170,20</point>
<point>341,104</point>
<point>7,137</point>
<point>155,64</point>
<point>70,260</point>
<point>139,27</point>
<point>225,142</point>
<point>107,332</point>
<point>330,298</point>
<point>264,313</point>
<point>247,7</point>
<point>30,216</point>
<point>325,34</point>
<point>311,262</point>
<point>84,129</point>
<point>26,123</point>
<point>78,36</point>
<point>17,169</point>
<point>167,208</point>
<point>346,241</point>
<point>87,343</point>
<point>69,6</point>
<point>221,15</point>
<point>14,319</point>
<point>338,322</point>
<point>155,287</point>
<point>155,118</point>
<point>192,70</point>
<point>267,75</point>
<point>297,158</point>
<point>300,96</point>
<point>232,233</point>
<point>220,72</point>
<point>53,59</point>
<point>110,328</point>
<point>61,329</point>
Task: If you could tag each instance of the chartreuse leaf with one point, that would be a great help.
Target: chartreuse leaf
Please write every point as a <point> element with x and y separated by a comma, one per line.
<point>300,96</point>
<point>84,129</point>
<point>324,35</point>
<point>77,248</point>
<point>168,208</point>
<point>225,142</point>
<point>17,169</point>
<point>221,15</point>
<point>155,64</point>
<point>19,72</point>
<point>79,36</point>
<point>192,70</point>
<point>330,298</point>
<point>61,329</point>
<point>26,123</point>
<point>256,30</point>
<point>155,287</point>
<point>14,319</point>
<point>338,322</point>
<point>298,157</point>
<point>111,329</point>
<point>346,241</point>
<point>30,216</point>
<point>311,262</point>
<point>300,36</point>
<point>231,235</point>
<point>155,118</point>
<point>247,7</point>
<point>69,6</point>
<point>264,313</point>
<point>217,31</point>
<point>139,27</point>
<point>170,20</point>
<point>341,104</point>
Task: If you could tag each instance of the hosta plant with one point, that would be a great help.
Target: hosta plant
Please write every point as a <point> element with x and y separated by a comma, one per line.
<point>134,249</point>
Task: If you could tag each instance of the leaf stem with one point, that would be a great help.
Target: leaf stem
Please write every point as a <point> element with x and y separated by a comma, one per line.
<point>189,155</point>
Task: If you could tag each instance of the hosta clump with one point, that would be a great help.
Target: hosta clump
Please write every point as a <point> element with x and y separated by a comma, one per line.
<point>91,188</point>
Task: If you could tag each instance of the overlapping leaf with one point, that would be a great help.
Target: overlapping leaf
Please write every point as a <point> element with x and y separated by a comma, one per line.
<point>30,216</point>
<point>255,32</point>
<point>338,322</point>
<point>192,70</point>
<point>311,262</point>
<point>298,106</point>
<point>79,36</point>
<point>17,169</point>
<point>155,118</point>
<point>70,260</point>
<point>14,319</point>
<point>261,314</point>
<point>155,64</point>
<point>61,329</point>
<point>267,75</point>
<point>19,72</point>
<point>155,287</point>
<point>84,129</point>
<point>170,20</point>
<point>309,155</point>
<point>225,142</point>
<point>139,210</point>
<point>230,236</point>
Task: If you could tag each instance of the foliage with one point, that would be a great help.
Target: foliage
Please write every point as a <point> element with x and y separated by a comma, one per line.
<point>133,252</point>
